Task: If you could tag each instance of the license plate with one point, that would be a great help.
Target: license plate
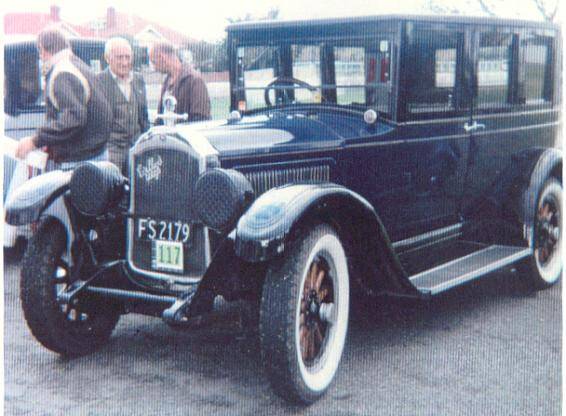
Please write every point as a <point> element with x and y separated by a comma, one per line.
<point>152,229</point>
<point>167,256</point>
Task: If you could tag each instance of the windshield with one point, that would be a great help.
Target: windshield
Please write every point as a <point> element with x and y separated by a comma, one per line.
<point>345,73</point>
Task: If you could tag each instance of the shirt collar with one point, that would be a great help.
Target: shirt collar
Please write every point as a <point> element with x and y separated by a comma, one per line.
<point>127,80</point>
<point>56,58</point>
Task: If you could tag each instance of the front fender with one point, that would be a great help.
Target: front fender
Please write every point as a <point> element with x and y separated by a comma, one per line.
<point>263,232</point>
<point>32,198</point>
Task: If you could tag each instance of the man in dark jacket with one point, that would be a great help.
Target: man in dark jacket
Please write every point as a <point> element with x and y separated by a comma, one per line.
<point>77,115</point>
<point>126,94</point>
<point>182,82</point>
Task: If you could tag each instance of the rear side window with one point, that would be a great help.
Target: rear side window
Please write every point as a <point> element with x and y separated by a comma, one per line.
<point>432,70</point>
<point>536,68</point>
<point>494,66</point>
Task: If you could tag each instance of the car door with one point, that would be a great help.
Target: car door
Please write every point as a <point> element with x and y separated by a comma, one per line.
<point>513,108</point>
<point>414,175</point>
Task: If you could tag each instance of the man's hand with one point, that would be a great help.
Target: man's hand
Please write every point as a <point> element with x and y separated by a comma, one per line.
<point>25,146</point>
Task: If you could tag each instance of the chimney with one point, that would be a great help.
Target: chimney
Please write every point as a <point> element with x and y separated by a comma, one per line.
<point>54,13</point>
<point>110,18</point>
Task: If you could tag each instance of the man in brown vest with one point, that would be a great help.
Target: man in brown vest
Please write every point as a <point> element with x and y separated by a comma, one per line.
<point>182,82</point>
<point>126,94</point>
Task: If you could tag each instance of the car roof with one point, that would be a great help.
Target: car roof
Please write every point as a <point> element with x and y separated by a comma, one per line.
<point>30,40</point>
<point>284,24</point>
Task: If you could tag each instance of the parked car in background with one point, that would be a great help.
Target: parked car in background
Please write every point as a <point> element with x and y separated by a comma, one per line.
<point>24,107</point>
<point>394,155</point>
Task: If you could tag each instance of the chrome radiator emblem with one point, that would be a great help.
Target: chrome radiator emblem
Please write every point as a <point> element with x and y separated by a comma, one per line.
<point>152,170</point>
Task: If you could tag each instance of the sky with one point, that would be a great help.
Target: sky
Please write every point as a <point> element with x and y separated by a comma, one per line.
<point>209,21</point>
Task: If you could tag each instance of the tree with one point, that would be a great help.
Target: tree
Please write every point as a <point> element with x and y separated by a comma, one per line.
<point>547,8</point>
<point>213,56</point>
<point>272,14</point>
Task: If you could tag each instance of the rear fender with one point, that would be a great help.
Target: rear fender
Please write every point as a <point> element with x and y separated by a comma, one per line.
<point>511,200</point>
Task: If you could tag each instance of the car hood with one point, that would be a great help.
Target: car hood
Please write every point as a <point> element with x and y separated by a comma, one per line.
<point>282,132</point>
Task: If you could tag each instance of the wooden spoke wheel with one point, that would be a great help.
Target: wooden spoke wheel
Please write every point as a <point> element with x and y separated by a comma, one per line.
<point>545,265</point>
<point>304,316</point>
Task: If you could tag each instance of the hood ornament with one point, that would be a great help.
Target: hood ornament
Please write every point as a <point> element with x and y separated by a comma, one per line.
<point>169,116</point>
<point>152,170</point>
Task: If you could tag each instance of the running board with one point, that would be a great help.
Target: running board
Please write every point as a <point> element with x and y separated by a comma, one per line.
<point>467,268</point>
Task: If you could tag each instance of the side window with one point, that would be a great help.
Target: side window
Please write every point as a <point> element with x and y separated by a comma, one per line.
<point>536,74</point>
<point>378,75</point>
<point>93,55</point>
<point>257,67</point>
<point>30,80</point>
<point>494,66</point>
<point>349,67</point>
<point>306,67</point>
<point>432,70</point>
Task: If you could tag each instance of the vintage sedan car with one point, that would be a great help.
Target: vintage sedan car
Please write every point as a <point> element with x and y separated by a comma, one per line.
<point>393,155</point>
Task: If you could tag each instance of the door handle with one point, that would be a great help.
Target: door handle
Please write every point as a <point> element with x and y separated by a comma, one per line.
<point>473,127</point>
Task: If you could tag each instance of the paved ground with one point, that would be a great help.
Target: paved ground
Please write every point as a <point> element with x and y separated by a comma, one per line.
<point>486,349</point>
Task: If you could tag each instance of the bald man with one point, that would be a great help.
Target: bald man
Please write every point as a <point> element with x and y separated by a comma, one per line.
<point>126,94</point>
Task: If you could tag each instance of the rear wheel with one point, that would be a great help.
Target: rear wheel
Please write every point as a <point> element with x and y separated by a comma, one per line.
<point>544,268</point>
<point>304,316</point>
<point>67,330</point>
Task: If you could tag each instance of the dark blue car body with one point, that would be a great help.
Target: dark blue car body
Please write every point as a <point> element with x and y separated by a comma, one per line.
<point>397,155</point>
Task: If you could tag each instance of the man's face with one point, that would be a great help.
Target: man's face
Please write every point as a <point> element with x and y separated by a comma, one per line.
<point>158,61</point>
<point>120,60</point>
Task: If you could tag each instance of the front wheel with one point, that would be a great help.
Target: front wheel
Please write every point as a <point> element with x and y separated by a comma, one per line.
<point>67,330</point>
<point>304,316</point>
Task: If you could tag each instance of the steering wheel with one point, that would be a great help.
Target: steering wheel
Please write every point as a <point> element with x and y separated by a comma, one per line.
<point>287,81</point>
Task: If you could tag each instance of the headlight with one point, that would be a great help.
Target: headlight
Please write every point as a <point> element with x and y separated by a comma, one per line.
<point>96,187</point>
<point>220,197</point>
<point>264,215</point>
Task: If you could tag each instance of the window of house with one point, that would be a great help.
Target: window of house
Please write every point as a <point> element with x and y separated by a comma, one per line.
<point>494,66</point>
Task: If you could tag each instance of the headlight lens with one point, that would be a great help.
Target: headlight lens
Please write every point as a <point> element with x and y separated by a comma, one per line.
<point>220,197</point>
<point>96,187</point>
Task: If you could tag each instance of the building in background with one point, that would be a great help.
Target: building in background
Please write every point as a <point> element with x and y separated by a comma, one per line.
<point>142,31</point>
<point>26,23</point>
